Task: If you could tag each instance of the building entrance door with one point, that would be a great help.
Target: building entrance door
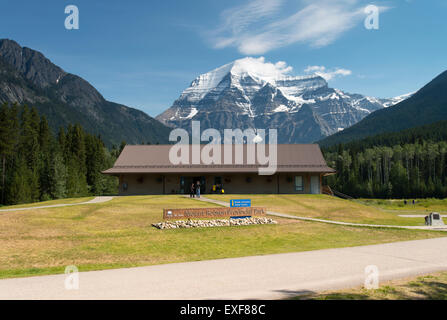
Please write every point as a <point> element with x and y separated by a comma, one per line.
<point>315,184</point>
<point>185,184</point>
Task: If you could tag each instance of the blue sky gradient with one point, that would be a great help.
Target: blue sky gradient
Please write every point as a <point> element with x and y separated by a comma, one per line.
<point>144,53</point>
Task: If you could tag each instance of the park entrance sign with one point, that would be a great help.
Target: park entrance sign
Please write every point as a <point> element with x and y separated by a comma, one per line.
<point>223,212</point>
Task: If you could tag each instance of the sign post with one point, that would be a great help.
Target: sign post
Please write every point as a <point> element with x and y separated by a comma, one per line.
<point>240,203</point>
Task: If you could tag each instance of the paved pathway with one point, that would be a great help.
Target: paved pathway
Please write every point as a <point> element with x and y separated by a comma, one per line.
<point>95,200</point>
<point>283,215</point>
<point>417,215</point>
<point>255,277</point>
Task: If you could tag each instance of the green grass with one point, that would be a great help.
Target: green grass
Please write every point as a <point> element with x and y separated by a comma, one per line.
<point>430,287</point>
<point>118,234</point>
<point>421,206</point>
<point>325,207</point>
<point>47,203</point>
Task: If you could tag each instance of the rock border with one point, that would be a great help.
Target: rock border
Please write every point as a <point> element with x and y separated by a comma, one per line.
<point>179,224</point>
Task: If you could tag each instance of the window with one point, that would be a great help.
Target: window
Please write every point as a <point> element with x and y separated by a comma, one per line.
<point>217,180</point>
<point>299,183</point>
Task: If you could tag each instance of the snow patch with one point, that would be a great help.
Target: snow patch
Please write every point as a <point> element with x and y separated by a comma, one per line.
<point>398,99</point>
<point>191,114</point>
<point>281,108</point>
<point>262,72</point>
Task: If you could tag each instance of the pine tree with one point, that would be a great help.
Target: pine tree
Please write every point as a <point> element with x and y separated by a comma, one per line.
<point>20,190</point>
<point>7,141</point>
<point>46,147</point>
<point>58,174</point>
<point>123,144</point>
<point>29,149</point>
<point>35,165</point>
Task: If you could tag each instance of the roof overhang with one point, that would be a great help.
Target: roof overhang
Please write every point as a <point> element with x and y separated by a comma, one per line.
<point>155,159</point>
<point>213,169</point>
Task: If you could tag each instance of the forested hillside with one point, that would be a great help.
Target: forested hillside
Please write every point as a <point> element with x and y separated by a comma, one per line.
<point>36,165</point>
<point>407,164</point>
<point>28,77</point>
<point>426,106</point>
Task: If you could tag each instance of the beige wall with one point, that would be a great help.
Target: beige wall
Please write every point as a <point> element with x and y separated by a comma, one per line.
<point>140,184</point>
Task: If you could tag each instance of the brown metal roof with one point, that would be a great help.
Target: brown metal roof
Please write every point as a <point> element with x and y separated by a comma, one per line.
<point>155,159</point>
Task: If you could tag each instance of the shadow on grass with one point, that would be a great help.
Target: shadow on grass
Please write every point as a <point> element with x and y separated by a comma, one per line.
<point>431,290</point>
<point>296,294</point>
<point>424,288</point>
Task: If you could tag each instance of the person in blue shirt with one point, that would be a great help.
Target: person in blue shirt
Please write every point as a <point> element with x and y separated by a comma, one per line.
<point>198,189</point>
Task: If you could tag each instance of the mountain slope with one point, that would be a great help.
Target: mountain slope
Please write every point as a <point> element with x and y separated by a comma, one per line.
<point>27,77</point>
<point>427,133</point>
<point>427,105</point>
<point>252,93</point>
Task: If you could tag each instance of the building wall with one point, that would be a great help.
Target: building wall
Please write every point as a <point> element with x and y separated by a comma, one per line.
<point>284,183</point>
<point>140,184</point>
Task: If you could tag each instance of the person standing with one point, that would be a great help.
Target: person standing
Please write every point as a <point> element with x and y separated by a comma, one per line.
<point>192,190</point>
<point>198,189</point>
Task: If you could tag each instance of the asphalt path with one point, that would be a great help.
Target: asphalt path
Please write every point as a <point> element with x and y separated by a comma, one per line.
<point>255,277</point>
<point>94,200</point>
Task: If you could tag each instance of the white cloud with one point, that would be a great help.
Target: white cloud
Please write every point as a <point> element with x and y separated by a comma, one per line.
<point>240,17</point>
<point>260,68</point>
<point>263,25</point>
<point>266,70</point>
<point>328,74</point>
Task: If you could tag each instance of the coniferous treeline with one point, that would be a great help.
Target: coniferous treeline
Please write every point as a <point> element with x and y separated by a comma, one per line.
<point>432,132</point>
<point>36,165</point>
<point>404,170</point>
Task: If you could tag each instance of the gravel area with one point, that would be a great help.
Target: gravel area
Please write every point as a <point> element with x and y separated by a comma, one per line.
<point>212,223</point>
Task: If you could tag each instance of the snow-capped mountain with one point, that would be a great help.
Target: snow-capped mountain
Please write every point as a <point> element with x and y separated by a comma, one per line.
<point>252,93</point>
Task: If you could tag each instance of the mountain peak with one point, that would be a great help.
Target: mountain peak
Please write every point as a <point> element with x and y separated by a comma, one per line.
<point>28,77</point>
<point>255,71</point>
<point>9,43</point>
<point>251,92</point>
<point>427,105</point>
<point>32,64</point>
<point>267,71</point>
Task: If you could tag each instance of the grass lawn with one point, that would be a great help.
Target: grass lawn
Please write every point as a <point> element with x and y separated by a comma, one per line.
<point>325,207</point>
<point>430,287</point>
<point>118,233</point>
<point>48,203</point>
<point>421,206</point>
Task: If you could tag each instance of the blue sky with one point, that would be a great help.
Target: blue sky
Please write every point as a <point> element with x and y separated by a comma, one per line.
<point>144,53</point>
